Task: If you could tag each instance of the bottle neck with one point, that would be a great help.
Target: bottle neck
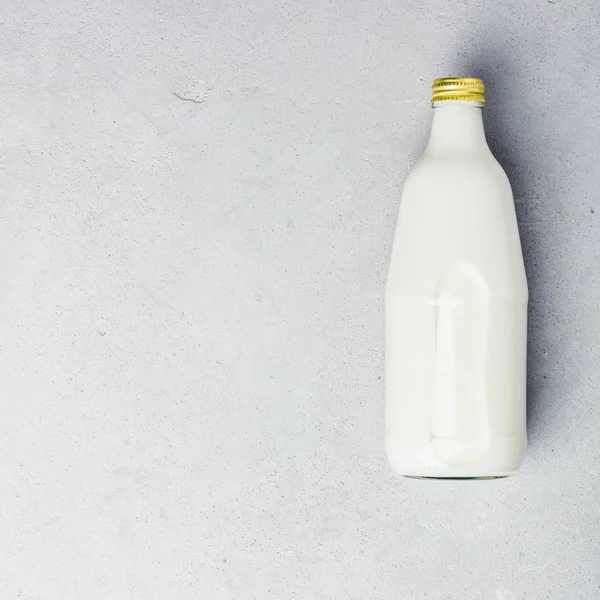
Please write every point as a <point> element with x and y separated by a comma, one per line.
<point>457,127</point>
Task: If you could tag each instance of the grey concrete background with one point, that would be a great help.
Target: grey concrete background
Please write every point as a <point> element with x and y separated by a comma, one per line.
<point>197,206</point>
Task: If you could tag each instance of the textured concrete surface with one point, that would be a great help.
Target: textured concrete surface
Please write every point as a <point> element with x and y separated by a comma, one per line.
<point>197,207</point>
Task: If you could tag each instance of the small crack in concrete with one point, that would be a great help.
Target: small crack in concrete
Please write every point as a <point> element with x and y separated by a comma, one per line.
<point>189,99</point>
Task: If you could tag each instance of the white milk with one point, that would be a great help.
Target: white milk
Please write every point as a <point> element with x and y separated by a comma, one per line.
<point>456,307</point>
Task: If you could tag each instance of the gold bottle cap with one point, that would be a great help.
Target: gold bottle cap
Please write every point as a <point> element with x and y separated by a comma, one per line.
<point>458,88</point>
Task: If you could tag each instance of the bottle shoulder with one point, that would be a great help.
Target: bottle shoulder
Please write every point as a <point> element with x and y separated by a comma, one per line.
<point>458,211</point>
<point>456,172</point>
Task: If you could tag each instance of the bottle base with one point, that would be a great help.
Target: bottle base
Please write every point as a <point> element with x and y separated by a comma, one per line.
<point>420,458</point>
<point>471,478</point>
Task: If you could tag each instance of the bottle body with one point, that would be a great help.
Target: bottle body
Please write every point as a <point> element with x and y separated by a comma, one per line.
<point>456,312</point>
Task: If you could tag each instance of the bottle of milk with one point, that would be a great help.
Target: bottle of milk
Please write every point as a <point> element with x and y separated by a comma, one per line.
<point>456,305</point>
